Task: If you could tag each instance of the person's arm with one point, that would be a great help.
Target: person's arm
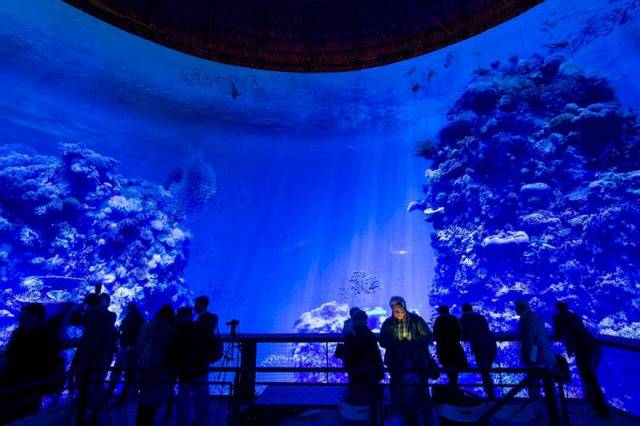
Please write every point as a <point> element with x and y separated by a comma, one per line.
<point>527,346</point>
<point>386,335</point>
<point>376,358</point>
<point>437,329</point>
<point>425,336</point>
<point>464,332</point>
<point>458,330</point>
<point>347,354</point>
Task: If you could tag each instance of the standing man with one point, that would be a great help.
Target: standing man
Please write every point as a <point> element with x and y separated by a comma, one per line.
<point>475,330</point>
<point>535,349</point>
<point>448,348</point>
<point>588,352</point>
<point>406,338</point>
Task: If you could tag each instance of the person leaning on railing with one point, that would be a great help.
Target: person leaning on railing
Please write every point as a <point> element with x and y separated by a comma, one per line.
<point>535,349</point>
<point>475,330</point>
<point>570,328</point>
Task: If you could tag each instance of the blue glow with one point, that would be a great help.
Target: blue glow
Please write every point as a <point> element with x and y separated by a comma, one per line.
<point>306,177</point>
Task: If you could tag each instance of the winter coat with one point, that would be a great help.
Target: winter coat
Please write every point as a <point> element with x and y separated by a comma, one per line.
<point>446,330</point>
<point>475,330</point>
<point>362,357</point>
<point>578,340</point>
<point>155,373</point>
<point>407,355</point>
<point>535,349</point>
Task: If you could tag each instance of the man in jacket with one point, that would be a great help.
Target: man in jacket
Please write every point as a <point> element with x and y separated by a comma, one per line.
<point>406,338</point>
<point>535,349</point>
<point>475,330</point>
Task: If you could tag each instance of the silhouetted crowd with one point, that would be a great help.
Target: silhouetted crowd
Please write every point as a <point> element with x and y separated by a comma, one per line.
<point>406,337</point>
<point>146,360</point>
<point>142,359</point>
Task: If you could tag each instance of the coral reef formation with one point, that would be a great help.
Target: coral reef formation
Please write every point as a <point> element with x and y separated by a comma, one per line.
<point>67,223</point>
<point>534,192</point>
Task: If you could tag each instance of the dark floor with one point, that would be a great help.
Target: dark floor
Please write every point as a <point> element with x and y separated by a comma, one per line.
<point>514,414</point>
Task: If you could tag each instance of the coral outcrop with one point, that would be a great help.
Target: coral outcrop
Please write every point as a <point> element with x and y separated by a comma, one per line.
<point>328,318</point>
<point>536,178</point>
<point>67,223</point>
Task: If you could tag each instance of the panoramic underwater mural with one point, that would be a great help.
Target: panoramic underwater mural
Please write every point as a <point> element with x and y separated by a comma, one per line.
<point>287,198</point>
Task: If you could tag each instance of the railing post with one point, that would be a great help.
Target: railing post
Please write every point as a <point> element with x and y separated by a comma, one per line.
<point>550,398</point>
<point>248,359</point>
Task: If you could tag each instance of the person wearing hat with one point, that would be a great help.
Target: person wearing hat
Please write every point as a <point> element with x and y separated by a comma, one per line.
<point>535,349</point>
<point>406,338</point>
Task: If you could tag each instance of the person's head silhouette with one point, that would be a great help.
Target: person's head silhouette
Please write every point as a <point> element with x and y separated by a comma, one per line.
<point>201,304</point>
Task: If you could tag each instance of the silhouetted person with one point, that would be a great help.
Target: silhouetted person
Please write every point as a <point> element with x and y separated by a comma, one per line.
<point>31,357</point>
<point>475,330</point>
<point>200,351</point>
<point>447,333</point>
<point>535,349</point>
<point>200,305</point>
<point>93,357</point>
<point>406,338</point>
<point>181,347</point>
<point>126,358</point>
<point>348,324</point>
<point>570,328</point>
<point>363,363</point>
<point>155,376</point>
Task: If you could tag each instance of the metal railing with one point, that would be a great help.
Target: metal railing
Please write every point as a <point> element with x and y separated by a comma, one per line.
<point>239,376</point>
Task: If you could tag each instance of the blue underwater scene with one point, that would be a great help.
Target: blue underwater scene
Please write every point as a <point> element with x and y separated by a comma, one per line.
<point>505,166</point>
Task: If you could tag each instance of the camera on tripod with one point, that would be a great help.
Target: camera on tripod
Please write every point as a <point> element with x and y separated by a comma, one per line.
<point>233,324</point>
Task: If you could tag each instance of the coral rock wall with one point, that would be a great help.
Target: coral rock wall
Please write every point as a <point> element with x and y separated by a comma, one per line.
<point>534,192</point>
<point>67,223</point>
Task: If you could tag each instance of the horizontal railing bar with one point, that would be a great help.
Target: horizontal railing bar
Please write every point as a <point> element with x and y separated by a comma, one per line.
<point>616,342</point>
<point>606,340</point>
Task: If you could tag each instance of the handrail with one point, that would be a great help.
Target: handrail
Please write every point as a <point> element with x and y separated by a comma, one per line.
<point>606,340</point>
<point>624,343</point>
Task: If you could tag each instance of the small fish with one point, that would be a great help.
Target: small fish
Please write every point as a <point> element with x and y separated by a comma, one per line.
<point>558,45</point>
<point>415,88</point>
<point>235,93</point>
<point>449,59</point>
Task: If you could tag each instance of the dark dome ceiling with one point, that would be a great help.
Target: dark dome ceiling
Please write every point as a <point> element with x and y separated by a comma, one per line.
<point>305,35</point>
